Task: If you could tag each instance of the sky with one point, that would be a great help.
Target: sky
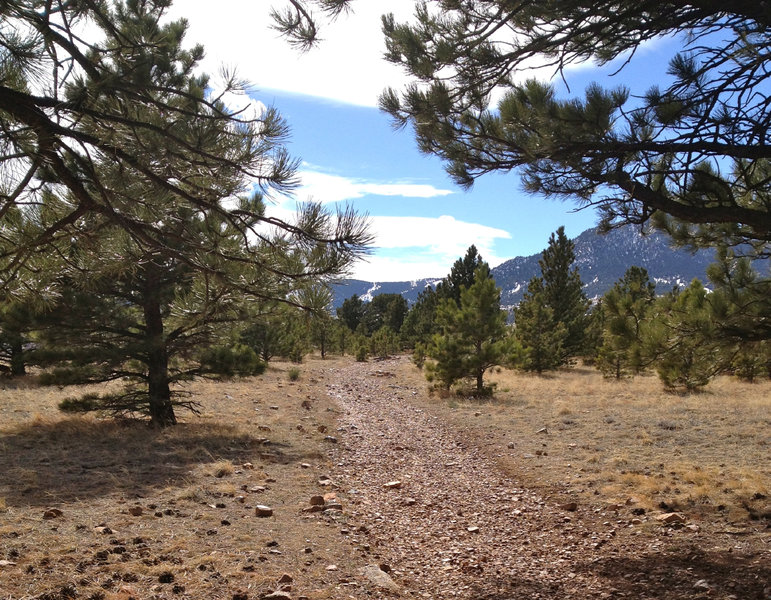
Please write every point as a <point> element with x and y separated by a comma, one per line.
<point>350,153</point>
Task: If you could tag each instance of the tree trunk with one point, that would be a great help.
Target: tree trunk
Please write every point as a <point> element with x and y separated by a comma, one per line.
<point>18,367</point>
<point>480,381</point>
<point>159,393</point>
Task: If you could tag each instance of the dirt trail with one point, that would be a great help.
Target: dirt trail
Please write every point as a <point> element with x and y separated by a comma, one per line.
<point>457,527</point>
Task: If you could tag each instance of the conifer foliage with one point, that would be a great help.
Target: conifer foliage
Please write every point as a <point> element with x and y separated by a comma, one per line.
<point>131,200</point>
<point>471,336</point>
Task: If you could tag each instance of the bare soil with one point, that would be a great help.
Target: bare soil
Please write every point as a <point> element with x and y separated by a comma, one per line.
<point>434,496</point>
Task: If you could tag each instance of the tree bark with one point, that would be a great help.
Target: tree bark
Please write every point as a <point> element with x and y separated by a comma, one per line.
<point>159,393</point>
<point>18,367</point>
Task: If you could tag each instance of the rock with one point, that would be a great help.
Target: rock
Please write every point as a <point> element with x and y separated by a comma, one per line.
<point>511,445</point>
<point>410,502</point>
<point>569,506</point>
<point>317,501</point>
<point>375,575</point>
<point>305,466</point>
<point>313,509</point>
<point>104,530</point>
<point>285,578</point>
<point>543,430</point>
<point>333,506</point>
<point>393,485</point>
<point>670,518</point>
<point>702,584</point>
<point>472,529</point>
<point>693,527</point>
<point>277,595</point>
<point>6,563</point>
<point>263,511</point>
<point>52,513</point>
<point>135,511</point>
<point>248,466</point>
<point>332,568</point>
<point>331,439</point>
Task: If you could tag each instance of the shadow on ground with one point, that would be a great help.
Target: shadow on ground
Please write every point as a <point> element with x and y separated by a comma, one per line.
<point>690,574</point>
<point>46,462</point>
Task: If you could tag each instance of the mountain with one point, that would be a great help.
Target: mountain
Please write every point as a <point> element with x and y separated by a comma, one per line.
<point>601,261</point>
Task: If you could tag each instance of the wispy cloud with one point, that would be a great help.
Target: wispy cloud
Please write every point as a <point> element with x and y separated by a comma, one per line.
<point>408,248</point>
<point>323,187</point>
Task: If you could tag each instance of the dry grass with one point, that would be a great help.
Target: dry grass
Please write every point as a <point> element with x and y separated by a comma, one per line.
<point>261,441</point>
<point>169,514</point>
<point>629,441</point>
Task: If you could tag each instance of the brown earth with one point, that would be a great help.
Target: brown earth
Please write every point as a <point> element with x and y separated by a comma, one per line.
<point>401,482</point>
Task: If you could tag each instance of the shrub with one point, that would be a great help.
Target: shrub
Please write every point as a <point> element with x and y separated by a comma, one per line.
<point>238,359</point>
<point>293,374</point>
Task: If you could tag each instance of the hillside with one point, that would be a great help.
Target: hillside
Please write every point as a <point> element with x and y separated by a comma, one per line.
<point>601,261</point>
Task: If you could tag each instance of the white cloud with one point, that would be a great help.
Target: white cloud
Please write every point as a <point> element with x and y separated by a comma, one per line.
<point>323,187</point>
<point>347,66</point>
<point>408,248</point>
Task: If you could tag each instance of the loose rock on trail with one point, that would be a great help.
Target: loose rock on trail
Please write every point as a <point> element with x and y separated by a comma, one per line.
<point>450,524</point>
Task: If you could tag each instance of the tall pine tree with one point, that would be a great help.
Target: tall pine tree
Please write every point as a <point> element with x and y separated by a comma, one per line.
<point>563,292</point>
<point>472,335</point>
<point>625,307</point>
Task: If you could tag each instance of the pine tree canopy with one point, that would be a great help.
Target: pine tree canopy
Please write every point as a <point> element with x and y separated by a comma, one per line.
<point>99,97</point>
<point>694,148</point>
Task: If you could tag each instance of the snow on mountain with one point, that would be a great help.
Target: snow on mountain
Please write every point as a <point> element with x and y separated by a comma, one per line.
<point>601,261</point>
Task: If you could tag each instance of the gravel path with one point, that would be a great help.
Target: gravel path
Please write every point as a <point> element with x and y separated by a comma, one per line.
<point>450,525</point>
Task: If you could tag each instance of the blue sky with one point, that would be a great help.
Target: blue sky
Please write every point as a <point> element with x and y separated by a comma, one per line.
<point>350,153</point>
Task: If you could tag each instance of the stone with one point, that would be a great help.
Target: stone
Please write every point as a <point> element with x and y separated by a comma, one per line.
<point>52,513</point>
<point>248,466</point>
<point>331,439</point>
<point>543,430</point>
<point>379,578</point>
<point>472,529</point>
<point>702,584</point>
<point>6,563</point>
<point>135,511</point>
<point>511,445</point>
<point>285,578</point>
<point>393,485</point>
<point>317,500</point>
<point>410,502</point>
<point>277,595</point>
<point>332,568</point>
<point>670,518</point>
<point>263,511</point>
<point>305,466</point>
<point>569,506</point>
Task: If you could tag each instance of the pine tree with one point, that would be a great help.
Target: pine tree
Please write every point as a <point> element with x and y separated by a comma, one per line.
<point>539,334</point>
<point>419,323</point>
<point>625,307</point>
<point>680,337</point>
<point>87,117</point>
<point>461,276</point>
<point>563,291</point>
<point>472,336</point>
<point>687,150</point>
